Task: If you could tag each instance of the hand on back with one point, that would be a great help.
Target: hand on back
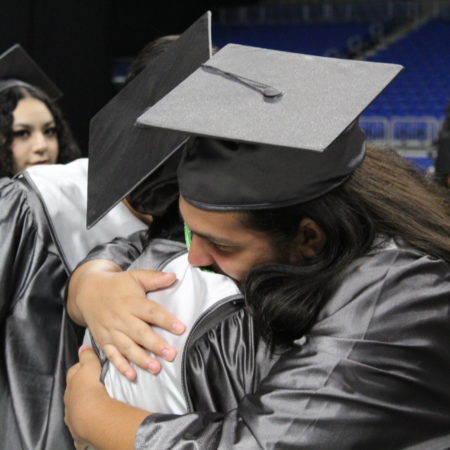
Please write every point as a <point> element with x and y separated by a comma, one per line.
<point>113,304</point>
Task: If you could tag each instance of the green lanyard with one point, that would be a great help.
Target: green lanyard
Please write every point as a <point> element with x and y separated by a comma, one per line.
<point>188,240</point>
<point>187,236</point>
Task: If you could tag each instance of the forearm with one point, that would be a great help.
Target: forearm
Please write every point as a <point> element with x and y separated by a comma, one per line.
<point>114,256</point>
<point>112,425</point>
<point>93,417</point>
<point>81,274</point>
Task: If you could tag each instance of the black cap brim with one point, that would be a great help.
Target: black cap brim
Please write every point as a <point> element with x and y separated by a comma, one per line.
<point>17,64</point>
<point>122,155</point>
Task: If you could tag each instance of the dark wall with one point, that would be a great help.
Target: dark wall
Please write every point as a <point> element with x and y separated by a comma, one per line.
<point>76,41</point>
<point>71,41</point>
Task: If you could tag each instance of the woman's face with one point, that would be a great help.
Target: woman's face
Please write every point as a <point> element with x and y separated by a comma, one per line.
<point>35,139</point>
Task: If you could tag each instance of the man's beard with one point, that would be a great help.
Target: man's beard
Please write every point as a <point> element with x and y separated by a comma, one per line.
<point>216,269</point>
<point>282,257</point>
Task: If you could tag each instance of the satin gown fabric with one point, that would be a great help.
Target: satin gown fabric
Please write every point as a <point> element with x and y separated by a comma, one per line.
<point>35,347</point>
<point>43,237</point>
<point>372,373</point>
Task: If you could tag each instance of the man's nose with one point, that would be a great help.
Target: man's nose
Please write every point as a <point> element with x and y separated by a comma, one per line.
<point>198,253</point>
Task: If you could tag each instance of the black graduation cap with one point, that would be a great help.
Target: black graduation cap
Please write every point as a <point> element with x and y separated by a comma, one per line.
<point>273,128</point>
<point>122,155</point>
<point>18,68</point>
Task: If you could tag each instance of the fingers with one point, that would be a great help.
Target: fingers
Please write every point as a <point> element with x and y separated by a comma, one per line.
<point>118,314</point>
<point>82,348</point>
<point>152,280</point>
<point>140,357</point>
<point>87,356</point>
<point>119,361</point>
<point>122,296</point>
<point>156,315</point>
<point>149,339</point>
<point>132,332</point>
<point>127,350</point>
<point>152,312</point>
<point>139,333</point>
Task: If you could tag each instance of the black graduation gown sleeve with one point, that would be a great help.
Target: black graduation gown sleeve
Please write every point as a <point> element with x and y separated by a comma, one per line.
<point>373,373</point>
<point>33,362</point>
<point>123,251</point>
<point>17,226</point>
<point>38,340</point>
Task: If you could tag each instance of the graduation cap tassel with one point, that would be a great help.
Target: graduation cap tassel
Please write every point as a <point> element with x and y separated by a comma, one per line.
<point>266,90</point>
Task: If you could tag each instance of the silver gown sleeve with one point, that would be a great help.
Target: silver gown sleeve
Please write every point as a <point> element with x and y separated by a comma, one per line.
<point>372,372</point>
<point>123,251</point>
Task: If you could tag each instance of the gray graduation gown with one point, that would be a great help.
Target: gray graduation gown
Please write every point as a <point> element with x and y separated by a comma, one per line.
<point>372,373</point>
<point>42,237</point>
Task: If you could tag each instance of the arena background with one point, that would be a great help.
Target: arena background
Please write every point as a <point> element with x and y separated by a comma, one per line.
<point>86,45</point>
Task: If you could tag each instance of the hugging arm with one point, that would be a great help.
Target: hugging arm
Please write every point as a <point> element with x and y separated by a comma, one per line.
<point>361,370</point>
<point>113,304</point>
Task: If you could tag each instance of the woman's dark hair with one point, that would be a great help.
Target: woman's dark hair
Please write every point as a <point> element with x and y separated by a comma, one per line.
<point>385,197</point>
<point>148,54</point>
<point>158,195</point>
<point>9,98</point>
<point>168,226</point>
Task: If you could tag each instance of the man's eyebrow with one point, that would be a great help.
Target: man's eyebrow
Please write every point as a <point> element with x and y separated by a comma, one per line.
<point>213,239</point>
<point>208,237</point>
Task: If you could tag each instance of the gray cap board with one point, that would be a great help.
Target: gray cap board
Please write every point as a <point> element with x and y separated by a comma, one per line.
<point>269,103</point>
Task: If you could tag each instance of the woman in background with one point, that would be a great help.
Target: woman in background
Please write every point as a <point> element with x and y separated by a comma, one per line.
<point>32,128</point>
<point>43,236</point>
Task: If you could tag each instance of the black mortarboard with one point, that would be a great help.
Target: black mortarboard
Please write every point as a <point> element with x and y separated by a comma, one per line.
<point>275,128</point>
<point>17,68</point>
<point>122,155</point>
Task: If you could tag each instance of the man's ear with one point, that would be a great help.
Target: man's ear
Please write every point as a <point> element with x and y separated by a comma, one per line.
<point>310,239</point>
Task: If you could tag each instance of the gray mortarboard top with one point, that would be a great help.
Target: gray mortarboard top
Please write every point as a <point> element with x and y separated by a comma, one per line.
<point>122,155</point>
<point>275,128</point>
<point>17,68</point>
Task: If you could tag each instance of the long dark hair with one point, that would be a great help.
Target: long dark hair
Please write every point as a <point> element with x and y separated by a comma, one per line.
<point>384,197</point>
<point>9,98</point>
<point>148,54</point>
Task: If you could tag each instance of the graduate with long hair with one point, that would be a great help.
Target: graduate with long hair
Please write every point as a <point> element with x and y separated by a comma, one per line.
<point>341,253</point>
